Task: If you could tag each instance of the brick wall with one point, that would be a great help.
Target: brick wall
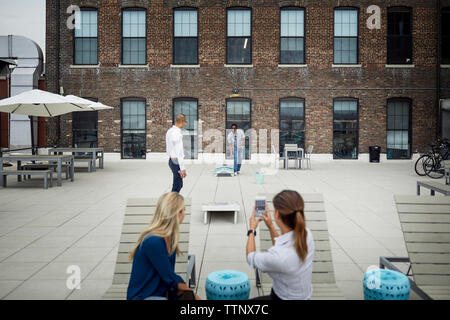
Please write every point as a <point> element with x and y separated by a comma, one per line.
<point>318,83</point>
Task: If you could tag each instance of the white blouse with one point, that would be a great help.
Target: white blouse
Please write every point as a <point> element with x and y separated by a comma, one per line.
<point>291,277</point>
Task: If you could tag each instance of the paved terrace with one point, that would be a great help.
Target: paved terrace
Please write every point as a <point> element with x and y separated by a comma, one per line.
<point>42,232</point>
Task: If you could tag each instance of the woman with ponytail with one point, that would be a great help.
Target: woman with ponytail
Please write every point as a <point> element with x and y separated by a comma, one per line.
<point>289,261</point>
<point>152,274</point>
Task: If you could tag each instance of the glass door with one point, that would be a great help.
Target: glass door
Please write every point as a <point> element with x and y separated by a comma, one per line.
<point>345,129</point>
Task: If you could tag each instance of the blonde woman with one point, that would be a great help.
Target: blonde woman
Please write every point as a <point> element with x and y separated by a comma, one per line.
<point>152,275</point>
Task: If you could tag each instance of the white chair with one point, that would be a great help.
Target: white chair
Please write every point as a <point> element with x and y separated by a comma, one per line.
<point>307,156</point>
<point>286,156</point>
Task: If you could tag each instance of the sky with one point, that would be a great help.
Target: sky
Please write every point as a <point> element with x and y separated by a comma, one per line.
<point>24,18</point>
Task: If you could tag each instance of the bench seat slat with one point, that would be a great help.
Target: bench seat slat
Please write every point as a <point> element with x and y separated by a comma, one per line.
<point>436,280</point>
<point>429,258</point>
<point>427,268</point>
<point>426,237</point>
<point>138,228</point>
<point>144,219</point>
<point>428,247</point>
<point>146,211</point>
<point>407,199</point>
<point>437,292</point>
<point>422,209</point>
<point>426,227</point>
<point>425,218</point>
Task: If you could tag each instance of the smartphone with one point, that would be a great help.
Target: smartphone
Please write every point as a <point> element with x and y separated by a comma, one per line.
<point>260,206</point>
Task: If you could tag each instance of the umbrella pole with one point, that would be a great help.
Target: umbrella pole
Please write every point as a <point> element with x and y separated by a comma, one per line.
<point>32,135</point>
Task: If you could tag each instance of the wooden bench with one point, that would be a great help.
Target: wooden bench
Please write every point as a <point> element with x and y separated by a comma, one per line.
<point>138,215</point>
<point>85,159</point>
<point>434,186</point>
<point>324,283</point>
<point>425,223</point>
<point>47,174</point>
<point>44,166</point>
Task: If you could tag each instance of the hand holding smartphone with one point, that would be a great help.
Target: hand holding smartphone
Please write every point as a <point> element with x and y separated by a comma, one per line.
<point>260,206</point>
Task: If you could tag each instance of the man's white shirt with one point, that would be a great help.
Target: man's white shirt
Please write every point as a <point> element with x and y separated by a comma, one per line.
<point>174,145</point>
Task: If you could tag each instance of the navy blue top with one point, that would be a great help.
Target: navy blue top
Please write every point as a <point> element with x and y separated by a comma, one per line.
<point>153,271</point>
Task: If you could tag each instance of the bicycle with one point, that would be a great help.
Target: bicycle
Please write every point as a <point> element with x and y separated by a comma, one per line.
<point>419,165</point>
<point>432,162</point>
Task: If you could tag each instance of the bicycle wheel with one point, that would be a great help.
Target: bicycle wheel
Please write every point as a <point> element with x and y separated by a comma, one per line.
<point>432,167</point>
<point>418,167</point>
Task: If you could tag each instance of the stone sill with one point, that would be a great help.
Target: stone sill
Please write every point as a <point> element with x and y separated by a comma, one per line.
<point>133,66</point>
<point>445,66</point>
<point>238,65</point>
<point>400,66</point>
<point>185,66</point>
<point>85,66</point>
<point>346,65</point>
<point>292,66</point>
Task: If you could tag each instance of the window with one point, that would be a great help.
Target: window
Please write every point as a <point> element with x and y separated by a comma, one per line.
<point>345,129</point>
<point>399,129</point>
<point>292,44</point>
<point>239,40</point>
<point>133,129</point>
<point>292,122</point>
<point>399,37</point>
<point>185,43</point>
<point>86,41</point>
<point>188,107</point>
<point>85,128</point>
<point>445,34</point>
<point>134,37</point>
<point>345,36</point>
<point>238,112</point>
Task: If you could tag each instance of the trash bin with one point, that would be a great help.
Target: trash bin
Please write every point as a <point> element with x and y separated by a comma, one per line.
<point>374,153</point>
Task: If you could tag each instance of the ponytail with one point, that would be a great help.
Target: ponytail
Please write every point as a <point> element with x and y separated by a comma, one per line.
<point>300,236</point>
<point>289,205</point>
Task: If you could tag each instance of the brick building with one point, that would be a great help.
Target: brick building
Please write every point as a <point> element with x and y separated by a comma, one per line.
<point>314,70</point>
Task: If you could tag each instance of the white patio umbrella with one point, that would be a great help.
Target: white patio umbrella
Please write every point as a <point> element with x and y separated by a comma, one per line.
<point>40,103</point>
<point>87,103</point>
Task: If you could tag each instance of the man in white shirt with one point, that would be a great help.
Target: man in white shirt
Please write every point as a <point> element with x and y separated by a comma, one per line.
<point>236,142</point>
<point>175,151</point>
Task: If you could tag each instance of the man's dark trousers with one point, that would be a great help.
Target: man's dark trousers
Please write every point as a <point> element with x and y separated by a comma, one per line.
<point>177,180</point>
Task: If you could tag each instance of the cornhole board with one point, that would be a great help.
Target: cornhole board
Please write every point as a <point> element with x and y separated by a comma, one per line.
<point>223,171</point>
<point>220,206</point>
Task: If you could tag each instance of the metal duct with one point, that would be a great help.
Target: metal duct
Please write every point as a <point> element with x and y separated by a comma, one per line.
<point>29,61</point>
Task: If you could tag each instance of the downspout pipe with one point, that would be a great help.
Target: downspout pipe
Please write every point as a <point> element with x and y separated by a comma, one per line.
<point>438,68</point>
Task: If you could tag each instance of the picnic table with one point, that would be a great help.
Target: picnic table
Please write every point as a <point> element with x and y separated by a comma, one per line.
<point>59,159</point>
<point>300,154</point>
<point>94,152</point>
